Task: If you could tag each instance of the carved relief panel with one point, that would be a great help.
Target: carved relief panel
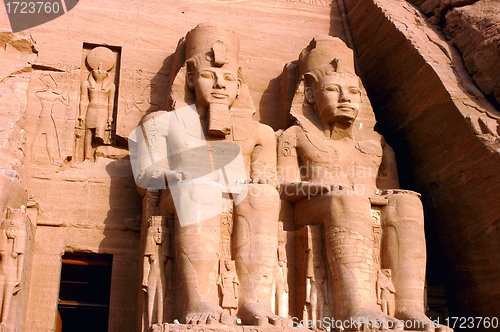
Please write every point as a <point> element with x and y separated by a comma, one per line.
<point>51,110</point>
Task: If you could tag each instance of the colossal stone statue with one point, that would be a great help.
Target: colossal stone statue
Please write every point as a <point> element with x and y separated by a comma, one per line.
<point>212,160</point>
<point>335,174</point>
<point>97,98</point>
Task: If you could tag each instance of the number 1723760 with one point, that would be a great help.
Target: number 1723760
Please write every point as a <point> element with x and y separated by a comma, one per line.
<point>32,7</point>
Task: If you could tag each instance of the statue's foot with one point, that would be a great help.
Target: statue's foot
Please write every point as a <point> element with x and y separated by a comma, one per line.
<point>367,318</point>
<point>258,313</point>
<point>204,312</point>
<point>418,321</point>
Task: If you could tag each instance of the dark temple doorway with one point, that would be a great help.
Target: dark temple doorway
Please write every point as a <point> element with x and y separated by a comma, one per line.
<point>84,292</point>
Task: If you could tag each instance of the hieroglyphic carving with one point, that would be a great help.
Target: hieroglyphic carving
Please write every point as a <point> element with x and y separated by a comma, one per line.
<point>377,234</point>
<point>226,230</point>
<point>97,98</point>
<point>141,103</point>
<point>140,94</point>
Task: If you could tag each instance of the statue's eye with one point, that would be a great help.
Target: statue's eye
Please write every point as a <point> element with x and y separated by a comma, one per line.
<point>331,87</point>
<point>206,74</point>
<point>354,91</point>
<point>229,77</point>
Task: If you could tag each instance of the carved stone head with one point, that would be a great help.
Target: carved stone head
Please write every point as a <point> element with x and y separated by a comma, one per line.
<point>229,265</point>
<point>327,66</point>
<point>101,59</point>
<point>213,72</point>
<point>158,229</point>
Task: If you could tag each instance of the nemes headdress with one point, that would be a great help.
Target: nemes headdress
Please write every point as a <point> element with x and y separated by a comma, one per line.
<point>211,45</point>
<point>326,50</point>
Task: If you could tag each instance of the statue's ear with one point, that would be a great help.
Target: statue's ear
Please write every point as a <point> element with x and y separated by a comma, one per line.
<point>190,80</point>
<point>240,79</point>
<point>309,94</point>
<point>190,76</point>
<point>308,91</point>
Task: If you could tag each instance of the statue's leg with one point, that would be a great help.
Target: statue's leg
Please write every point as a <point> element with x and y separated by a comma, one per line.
<point>52,146</point>
<point>4,289</point>
<point>152,291</point>
<point>255,240</point>
<point>197,238</point>
<point>37,138</point>
<point>314,302</point>
<point>404,252</point>
<point>346,217</point>
<point>160,293</point>
<point>8,290</point>
<point>89,150</point>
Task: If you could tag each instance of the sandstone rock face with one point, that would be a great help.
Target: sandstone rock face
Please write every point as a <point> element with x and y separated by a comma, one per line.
<point>473,26</point>
<point>475,30</point>
<point>444,132</point>
<point>17,53</point>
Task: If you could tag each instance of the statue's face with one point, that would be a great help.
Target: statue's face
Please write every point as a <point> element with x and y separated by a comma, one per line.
<point>159,235</point>
<point>12,232</point>
<point>213,85</point>
<point>229,265</point>
<point>337,97</point>
<point>99,74</point>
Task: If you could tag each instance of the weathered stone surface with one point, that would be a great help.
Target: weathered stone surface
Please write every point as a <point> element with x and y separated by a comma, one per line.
<point>473,26</point>
<point>444,133</point>
<point>475,30</point>
<point>17,234</point>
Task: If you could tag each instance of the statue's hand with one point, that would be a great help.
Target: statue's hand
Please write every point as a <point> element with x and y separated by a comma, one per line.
<point>110,120</point>
<point>296,191</point>
<point>259,181</point>
<point>145,286</point>
<point>187,175</point>
<point>17,287</point>
<point>81,120</point>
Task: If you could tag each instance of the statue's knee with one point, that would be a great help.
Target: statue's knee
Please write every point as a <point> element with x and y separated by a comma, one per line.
<point>262,196</point>
<point>341,199</point>
<point>404,206</point>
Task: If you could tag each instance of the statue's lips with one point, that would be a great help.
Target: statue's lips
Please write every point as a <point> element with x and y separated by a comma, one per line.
<point>219,95</point>
<point>345,108</point>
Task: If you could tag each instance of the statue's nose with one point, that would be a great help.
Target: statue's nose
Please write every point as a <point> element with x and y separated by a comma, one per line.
<point>344,97</point>
<point>219,82</point>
